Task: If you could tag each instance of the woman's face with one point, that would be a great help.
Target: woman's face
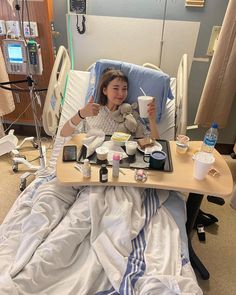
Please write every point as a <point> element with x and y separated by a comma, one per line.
<point>116,92</point>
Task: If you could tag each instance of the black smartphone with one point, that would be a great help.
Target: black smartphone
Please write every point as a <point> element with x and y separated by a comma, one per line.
<point>69,153</point>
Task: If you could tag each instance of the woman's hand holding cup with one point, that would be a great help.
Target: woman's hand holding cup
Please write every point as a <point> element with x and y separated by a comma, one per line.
<point>91,108</point>
<point>147,107</point>
<point>152,110</point>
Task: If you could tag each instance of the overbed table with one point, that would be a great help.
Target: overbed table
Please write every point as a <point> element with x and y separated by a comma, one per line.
<point>181,179</point>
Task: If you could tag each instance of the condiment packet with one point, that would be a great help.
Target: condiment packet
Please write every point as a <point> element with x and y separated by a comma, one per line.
<point>214,172</point>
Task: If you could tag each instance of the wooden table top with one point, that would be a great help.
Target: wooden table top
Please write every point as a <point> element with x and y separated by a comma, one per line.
<point>180,179</point>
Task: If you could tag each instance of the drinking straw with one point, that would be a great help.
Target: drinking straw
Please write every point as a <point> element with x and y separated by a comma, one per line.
<point>142,91</point>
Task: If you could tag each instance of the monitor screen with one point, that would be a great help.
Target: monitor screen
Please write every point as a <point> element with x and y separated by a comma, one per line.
<point>15,53</point>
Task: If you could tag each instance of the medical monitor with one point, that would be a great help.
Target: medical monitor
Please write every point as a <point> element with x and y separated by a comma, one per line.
<point>15,56</point>
<point>15,53</point>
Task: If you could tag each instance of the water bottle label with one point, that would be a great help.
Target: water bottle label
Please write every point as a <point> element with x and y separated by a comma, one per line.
<point>210,141</point>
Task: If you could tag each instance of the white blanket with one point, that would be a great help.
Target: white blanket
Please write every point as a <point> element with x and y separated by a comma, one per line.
<point>103,240</point>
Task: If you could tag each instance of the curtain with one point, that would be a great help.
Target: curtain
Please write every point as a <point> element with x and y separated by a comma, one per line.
<point>220,86</point>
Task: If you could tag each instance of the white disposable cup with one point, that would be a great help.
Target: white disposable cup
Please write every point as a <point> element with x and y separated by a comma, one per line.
<point>143,102</point>
<point>202,164</point>
<point>131,147</point>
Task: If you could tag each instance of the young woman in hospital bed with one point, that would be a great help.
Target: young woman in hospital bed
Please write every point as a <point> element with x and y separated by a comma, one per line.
<point>112,92</point>
<point>100,240</point>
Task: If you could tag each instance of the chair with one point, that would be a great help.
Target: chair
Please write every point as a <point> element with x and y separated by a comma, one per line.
<point>207,219</point>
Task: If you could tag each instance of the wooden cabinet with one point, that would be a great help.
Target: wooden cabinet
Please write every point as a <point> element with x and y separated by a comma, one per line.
<point>40,12</point>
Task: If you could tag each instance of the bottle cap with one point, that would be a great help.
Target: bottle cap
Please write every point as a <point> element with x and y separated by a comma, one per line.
<point>116,157</point>
<point>104,165</point>
<point>214,125</point>
<point>86,161</point>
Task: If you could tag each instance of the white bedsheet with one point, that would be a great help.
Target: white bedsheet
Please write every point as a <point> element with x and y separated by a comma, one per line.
<point>110,240</point>
<point>104,241</point>
<point>75,98</point>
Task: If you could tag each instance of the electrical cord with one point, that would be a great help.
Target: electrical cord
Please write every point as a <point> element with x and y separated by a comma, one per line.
<point>22,90</point>
<point>27,11</point>
<point>21,114</point>
<point>15,82</point>
<point>79,30</point>
<point>48,148</point>
<point>19,89</point>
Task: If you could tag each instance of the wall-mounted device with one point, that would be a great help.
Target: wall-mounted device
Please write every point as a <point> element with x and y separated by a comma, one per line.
<point>15,55</point>
<point>13,28</point>
<point>77,6</point>
<point>194,3</point>
<point>213,40</point>
<point>21,58</point>
<point>35,58</point>
<point>30,29</point>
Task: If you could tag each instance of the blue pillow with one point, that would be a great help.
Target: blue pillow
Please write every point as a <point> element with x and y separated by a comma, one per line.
<point>154,83</point>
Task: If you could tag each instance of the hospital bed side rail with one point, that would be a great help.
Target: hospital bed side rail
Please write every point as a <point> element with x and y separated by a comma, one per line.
<point>55,92</point>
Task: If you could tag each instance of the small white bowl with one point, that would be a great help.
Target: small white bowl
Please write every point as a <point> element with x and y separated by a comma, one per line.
<point>102,153</point>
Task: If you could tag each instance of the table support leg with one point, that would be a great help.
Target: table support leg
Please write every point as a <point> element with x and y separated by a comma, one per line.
<point>193,206</point>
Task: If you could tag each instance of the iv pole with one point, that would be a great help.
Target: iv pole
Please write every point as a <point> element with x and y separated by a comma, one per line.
<point>17,160</point>
<point>37,127</point>
<point>31,86</point>
<point>162,34</point>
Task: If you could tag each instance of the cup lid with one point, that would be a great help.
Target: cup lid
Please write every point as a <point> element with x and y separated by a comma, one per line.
<point>181,144</point>
<point>204,157</point>
<point>159,155</point>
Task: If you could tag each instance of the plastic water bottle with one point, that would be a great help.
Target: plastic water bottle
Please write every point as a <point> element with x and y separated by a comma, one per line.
<point>210,139</point>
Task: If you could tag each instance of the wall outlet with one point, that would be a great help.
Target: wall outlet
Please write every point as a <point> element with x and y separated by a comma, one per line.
<point>2,28</point>
<point>30,30</point>
<point>13,28</point>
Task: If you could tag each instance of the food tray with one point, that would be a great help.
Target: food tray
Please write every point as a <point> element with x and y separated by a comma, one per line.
<point>133,161</point>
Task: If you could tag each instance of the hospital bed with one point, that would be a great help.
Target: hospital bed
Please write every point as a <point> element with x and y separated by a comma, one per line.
<point>174,117</point>
<point>46,244</point>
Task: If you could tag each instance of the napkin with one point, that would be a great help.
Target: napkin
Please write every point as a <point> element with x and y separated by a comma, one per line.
<point>94,138</point>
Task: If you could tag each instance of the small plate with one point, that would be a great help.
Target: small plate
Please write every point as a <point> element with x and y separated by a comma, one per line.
<point>148,150</point>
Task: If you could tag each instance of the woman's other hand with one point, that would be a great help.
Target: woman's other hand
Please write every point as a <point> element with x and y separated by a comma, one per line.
<point>152,110</point>
<point>91,108</point>
<point>152,119</point>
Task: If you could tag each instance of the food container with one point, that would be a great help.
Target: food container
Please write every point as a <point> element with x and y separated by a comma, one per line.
<point>102,153</point>
<point>120,138</point>
<point>181,148</point>
<point>183,138</point>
